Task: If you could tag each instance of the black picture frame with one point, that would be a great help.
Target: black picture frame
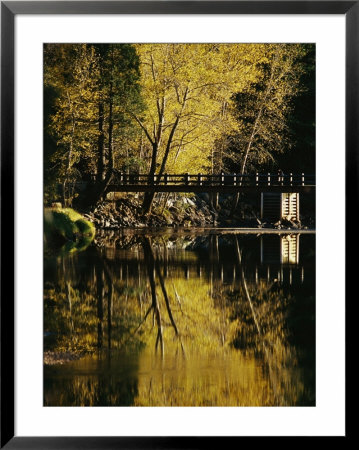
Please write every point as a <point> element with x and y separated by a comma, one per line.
<point>9,9</point>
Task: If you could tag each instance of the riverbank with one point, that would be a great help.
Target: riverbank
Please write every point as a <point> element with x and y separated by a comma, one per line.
<point>186,212</point>
<point>180,231</point>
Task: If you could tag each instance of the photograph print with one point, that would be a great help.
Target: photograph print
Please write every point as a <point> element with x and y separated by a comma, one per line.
<point>179,224</point>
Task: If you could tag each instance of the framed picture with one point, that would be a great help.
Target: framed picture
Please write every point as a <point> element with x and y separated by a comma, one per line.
<point>169,174</point>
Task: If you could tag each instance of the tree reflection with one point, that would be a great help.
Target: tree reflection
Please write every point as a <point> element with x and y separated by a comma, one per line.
<point>221,334</point>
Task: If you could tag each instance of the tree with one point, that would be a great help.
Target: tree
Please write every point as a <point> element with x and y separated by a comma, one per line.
<point>263,109</point>
<point>120,91</point>
<point>71,71</point>
<point>95,84</point>
<point>186,88</point>
<point>168,107</point>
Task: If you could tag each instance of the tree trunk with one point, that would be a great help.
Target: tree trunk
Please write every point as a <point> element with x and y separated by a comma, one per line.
<point>64,193</point>
<point>216,201</point>
<point>149,196</point>
<point>101,146</point>
<point>104,174</point>
<point>110,129</point>
<point>147,202</point>
<point>110,120</point>
<point>69,155</point>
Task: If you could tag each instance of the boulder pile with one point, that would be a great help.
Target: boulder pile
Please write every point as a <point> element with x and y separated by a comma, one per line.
<point>126,212</point>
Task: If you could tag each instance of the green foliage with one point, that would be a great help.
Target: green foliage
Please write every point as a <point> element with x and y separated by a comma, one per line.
<point>87,89</point>
<point>67,227</point>
<point>85,227</point>
<point>263,111</point>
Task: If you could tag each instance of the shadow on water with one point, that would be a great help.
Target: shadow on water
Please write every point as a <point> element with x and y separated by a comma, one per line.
<point>182,320</point>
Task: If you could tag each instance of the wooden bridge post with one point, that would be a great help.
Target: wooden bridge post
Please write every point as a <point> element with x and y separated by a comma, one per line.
<point>200,179</point>
<point>268,179</point>
<point>222,178</point>
<point>234,179</point>
<point>187,178</point>
<point>303,180</point>
<point>257,179</point>
<point>166,178</point>
<point>291,179</point>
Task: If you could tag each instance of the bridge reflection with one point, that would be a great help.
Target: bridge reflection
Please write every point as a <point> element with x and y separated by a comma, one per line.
<point>268,259</point>
<point>149,308</point>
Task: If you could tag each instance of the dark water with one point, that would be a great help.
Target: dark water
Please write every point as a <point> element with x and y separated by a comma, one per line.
<point>186,319</point>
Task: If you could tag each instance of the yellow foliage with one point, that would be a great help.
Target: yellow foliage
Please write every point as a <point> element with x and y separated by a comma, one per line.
<point>188,90</point>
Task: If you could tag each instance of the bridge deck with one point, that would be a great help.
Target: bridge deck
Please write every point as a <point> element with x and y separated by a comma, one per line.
<point>206,188</point>
<point>212,183</point>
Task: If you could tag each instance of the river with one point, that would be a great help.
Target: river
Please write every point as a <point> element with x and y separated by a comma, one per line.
<point>182,318</point>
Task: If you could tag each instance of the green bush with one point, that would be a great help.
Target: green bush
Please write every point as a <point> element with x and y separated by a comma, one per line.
<point>66,226</point>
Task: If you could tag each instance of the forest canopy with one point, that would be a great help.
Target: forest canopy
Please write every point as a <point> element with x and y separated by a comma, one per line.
<point>174,108</point>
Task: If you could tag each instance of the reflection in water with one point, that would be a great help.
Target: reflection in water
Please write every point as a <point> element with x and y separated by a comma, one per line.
<point>177,320</point>
<point>280,248</point>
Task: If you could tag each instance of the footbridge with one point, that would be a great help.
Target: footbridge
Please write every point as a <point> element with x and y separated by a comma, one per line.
<point>221,183</point>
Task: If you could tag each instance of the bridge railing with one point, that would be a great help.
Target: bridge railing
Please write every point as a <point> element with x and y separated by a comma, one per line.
<point>222,179</point>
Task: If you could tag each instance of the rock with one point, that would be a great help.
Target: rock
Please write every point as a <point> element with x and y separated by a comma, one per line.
<point>126,212</point>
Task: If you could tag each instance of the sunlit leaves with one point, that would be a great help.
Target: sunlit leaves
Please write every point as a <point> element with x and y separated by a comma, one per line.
<point>193,82</point>
<point>73,71</point>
